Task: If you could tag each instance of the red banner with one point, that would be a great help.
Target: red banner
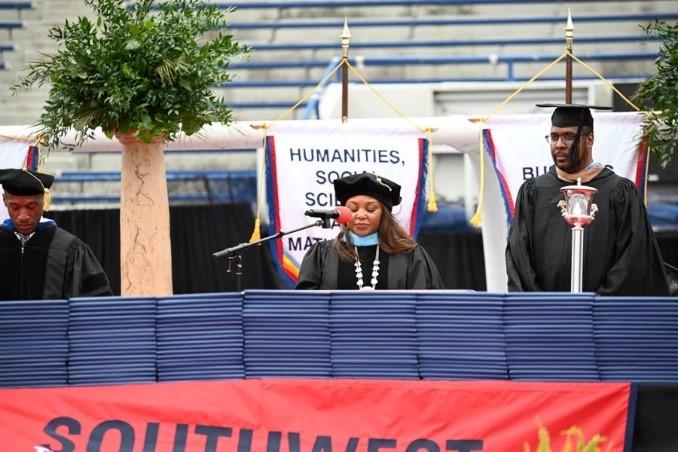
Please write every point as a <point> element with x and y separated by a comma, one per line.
<point>300,415</point>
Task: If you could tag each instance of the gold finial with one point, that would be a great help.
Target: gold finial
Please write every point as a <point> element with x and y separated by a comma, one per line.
<point>345,38</point>
<point>569,31</point>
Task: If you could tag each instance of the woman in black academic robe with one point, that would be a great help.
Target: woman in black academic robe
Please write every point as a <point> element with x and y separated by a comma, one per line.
<point>372,250</point>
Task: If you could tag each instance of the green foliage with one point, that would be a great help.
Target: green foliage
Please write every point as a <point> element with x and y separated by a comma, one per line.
<point>147,69</point>
<point>661,92</point>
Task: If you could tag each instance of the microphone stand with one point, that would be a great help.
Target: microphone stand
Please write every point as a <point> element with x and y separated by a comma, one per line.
<point>234,256</point>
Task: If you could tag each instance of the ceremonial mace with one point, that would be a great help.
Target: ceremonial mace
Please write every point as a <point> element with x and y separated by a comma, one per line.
<point>577,207</point>
<point>578,210</point>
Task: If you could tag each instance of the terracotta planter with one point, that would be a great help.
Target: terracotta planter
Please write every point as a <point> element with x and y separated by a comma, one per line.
<point>145,247</point>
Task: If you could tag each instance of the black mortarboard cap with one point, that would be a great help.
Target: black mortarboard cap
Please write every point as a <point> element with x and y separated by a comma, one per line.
<point>386,191</point>
<point>25,182</point>
<point>572,115</point>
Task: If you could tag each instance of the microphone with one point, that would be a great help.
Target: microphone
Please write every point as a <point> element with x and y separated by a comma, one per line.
<point>340,215</point>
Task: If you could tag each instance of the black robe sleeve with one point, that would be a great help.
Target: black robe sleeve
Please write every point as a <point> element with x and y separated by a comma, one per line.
<point>637,268</point>
<point>312,271</point>
<point>519,265</point>
<point>73,270</point>
<point>414,271</point>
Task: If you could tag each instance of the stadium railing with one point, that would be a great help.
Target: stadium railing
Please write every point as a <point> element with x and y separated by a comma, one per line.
<point>285,71</point>
<point>215,186</point>
<point>510,62</point>
<point>450,21</point>
<point>288,4</point>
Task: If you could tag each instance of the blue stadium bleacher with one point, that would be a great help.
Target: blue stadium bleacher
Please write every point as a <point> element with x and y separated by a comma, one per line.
<point>503,42</point>
<point>510,60</point>
<point>10,26</point>
<point>384,61</point>
<point>285,4</point>
<point>218,186</point>
<point>663,215</point>
<point>18,6</point>
<point>418,21</point>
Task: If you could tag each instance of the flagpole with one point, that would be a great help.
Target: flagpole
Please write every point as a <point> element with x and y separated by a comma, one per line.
<point>345,39</point>
<point>569,37</point>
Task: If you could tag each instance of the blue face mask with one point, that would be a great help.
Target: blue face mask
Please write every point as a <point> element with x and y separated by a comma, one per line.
<point>371,239</point>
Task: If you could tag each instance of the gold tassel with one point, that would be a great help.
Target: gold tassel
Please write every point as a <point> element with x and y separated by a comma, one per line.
<point>432,204</point>
<point>47,200</point>
<point>47,203</point>
<point>256,235</point>
<point>477,218</point>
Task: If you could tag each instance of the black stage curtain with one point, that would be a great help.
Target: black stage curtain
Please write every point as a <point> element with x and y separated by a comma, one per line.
<point>198,231</point>
<point>458,256</point>
<point>656,425</point>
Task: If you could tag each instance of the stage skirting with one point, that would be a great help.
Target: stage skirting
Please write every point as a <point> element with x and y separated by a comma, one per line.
<point>327,371</point>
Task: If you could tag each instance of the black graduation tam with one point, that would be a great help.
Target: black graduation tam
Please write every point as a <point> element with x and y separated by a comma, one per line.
<point>369,184</point>
<point>24,182</point>
<point>572,115</point>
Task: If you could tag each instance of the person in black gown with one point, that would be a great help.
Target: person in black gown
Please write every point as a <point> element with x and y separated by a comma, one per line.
<point>39,260</point>
<point>620,256</point>
<point>371,251</point>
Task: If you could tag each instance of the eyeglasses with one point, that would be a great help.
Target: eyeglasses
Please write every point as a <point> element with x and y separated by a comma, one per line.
<point>568,138</point>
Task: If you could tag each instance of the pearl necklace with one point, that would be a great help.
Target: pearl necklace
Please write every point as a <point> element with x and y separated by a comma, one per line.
<point>359,271</point>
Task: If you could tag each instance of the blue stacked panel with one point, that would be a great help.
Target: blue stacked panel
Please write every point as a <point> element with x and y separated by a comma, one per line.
<point>286,334</point>
<point>461,336</point>
<point>549,337</point>
<point>637,338</point>
<point>374,334</point>
<point>200,337</point>
<point>33,343</point>
<point>112,340</point>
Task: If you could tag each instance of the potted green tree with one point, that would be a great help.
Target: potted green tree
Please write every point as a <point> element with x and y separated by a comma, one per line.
<point>142,73</point>
<point>660,93</point>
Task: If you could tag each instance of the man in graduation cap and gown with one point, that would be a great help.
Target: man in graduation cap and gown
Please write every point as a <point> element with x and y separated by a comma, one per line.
<point>39,260</point>
<point>621,255</point>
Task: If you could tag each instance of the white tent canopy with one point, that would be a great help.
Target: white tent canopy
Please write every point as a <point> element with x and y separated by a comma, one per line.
<point>459,132</point>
